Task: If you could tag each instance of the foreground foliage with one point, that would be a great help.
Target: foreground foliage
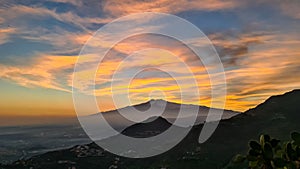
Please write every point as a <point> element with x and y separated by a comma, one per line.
<point>269,153</point>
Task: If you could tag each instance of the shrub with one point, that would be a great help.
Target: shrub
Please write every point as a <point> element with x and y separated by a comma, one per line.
<point>269,153</point>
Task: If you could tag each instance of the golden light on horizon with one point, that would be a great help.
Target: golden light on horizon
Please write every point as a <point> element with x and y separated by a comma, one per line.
<point>38,58</point>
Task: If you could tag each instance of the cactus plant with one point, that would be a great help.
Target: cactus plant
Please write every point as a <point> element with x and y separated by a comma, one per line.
<point>270,153</point>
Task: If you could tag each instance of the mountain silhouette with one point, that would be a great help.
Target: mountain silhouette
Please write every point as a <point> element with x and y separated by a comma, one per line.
<point>277,116</point>
<point>149,128</point>
<point>154,108</point>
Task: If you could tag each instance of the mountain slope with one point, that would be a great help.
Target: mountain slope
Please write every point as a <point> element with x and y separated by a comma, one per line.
<point>165,109</point>
<point>277,116</point>
<point>149,128</point>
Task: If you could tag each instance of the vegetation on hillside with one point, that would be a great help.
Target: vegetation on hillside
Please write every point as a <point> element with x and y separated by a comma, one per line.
<point>270,153</point>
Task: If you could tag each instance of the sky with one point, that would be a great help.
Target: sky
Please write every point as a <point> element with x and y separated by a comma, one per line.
<point>258,44</point>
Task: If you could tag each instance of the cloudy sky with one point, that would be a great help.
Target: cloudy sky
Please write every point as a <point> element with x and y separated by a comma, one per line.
<point>258,43</point>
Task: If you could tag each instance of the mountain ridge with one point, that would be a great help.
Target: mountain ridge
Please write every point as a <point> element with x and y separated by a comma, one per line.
<point>165,109</point>
<point>230,138</point>
<point>168,102</point>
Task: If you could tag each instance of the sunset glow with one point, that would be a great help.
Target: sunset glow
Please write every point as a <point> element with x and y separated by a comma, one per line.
<point>40,42</point>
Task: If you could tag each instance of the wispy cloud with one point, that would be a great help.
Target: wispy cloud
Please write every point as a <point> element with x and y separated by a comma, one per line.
<point>5,34</point>
<point>42,73</point>
<point>266,69</point>
<point>291,8</point>
<point>78,3</point>
<point>14,12</point>
<point>233,46</point>
<point>119,8</point>
<point>262,67</point>
<point>259,61</point>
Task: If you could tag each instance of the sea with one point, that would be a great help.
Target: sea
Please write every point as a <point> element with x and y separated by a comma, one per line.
<point>21,142</point>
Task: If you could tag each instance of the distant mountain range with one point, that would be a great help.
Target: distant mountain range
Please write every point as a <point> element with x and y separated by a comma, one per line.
<point>156,108</point>
<point>277,116</point>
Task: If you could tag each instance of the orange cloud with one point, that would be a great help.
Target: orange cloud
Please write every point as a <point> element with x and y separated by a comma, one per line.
<point>268,68</point>
<point>117,8</point>
<point>40,73</point>
<point>261,69</point>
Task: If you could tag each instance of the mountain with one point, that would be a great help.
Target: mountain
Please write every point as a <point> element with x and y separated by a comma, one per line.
<point>123,118</point>
<point>277,116</point>
<point>149,128</point>
<point>155,108</point>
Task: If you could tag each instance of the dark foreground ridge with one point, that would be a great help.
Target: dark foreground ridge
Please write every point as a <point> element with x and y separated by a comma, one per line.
<point>151,127</point>
<point>277,116</point>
